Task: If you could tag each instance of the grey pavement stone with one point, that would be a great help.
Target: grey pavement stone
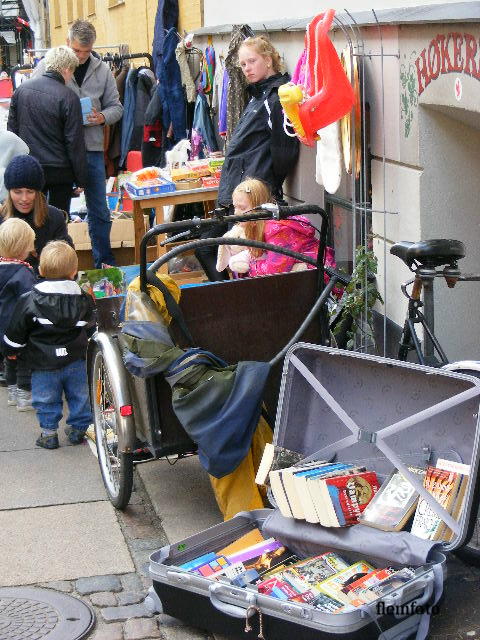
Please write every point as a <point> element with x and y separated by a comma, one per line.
<point>65,586</point>
<point>103,599</point>
<point>151,544</point>
<point>165,620</point>
<point>116,614</point>
<point>130,597</point>
<point>140,628</point>
<point>131,582</point>
<point>107,632</point>
<point>181,633</point>
<point>141,560</point>
<point>85,586</point>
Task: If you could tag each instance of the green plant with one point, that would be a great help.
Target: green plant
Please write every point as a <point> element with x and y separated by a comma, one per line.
<point>358,300</point>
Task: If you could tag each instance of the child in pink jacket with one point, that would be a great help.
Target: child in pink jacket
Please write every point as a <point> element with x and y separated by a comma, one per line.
<point>295,233</point>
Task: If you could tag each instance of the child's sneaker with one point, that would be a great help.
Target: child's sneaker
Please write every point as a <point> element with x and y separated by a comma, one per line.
<point>47,441</point>
<point>12,395</point>
<point>24,400</point>
<point>75,436</point>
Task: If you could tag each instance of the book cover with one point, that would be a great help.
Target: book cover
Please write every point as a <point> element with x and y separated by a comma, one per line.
<point>335,585</point>
<point>331,605</point>
<point>393,504</point>
<point>314,570</point>
<point>277,565</point>
<point>247,540</point>
<point>443,486</point>
<point>86,104</point>
<point>350,495</point>
<point>361,587</point>
<point>277,588</point>
<point>395,581</point>
<point>324,505</point>
<point>255,550</point>
<point>445,533</point>
<point>275,457</point>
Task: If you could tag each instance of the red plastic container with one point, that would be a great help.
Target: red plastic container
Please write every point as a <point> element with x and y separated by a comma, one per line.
<point>134,161</point>
<point>6,88</point>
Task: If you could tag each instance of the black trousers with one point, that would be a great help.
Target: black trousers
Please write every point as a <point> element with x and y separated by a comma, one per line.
<point>18,372</point>
<point>207,256</point>
<point>59,195</point>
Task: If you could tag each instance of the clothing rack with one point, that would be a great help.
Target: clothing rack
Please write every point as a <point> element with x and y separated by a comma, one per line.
<point>118,59</point>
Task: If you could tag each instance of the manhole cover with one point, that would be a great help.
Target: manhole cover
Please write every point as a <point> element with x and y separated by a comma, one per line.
<point>30,613</point>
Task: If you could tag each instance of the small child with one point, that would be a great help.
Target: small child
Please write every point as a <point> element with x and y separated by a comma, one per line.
<point>296,234</point>
<point>51,325</point>
<point>17,240</point>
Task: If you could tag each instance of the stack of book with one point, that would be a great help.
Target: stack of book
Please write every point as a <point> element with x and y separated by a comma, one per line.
<point>331,494</point>
<point>397,501</point>
<point>328,582</point>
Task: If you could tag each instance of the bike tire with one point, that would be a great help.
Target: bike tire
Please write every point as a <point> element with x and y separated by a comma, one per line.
<point>116,468</point>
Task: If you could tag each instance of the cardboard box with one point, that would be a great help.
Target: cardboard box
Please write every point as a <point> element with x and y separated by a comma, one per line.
<point>150,187</point>
<point>122,234</point>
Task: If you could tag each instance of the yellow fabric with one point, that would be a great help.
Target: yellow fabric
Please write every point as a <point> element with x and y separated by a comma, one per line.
<point>238,491</point>
<point>156,295</point>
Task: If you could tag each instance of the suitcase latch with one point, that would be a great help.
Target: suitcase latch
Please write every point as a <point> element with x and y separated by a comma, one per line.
<point>367,436</point>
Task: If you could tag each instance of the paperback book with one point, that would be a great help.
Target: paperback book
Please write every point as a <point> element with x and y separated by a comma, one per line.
<point>275,457</point>
<point>444,485</point>
<point>336,586</point>
<point>394,503</point>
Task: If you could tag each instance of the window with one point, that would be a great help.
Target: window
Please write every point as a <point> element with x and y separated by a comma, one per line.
<point>79,9</point>
<point>57,20</point>
<point>90,7</point>
<point>69,10</point>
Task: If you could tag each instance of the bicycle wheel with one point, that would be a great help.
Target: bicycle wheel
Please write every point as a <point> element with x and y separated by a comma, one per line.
<point>116,467</point>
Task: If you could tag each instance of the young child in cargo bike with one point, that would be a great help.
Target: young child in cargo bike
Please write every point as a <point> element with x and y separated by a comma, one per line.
<point>295,233</point>
<point>50,326</point>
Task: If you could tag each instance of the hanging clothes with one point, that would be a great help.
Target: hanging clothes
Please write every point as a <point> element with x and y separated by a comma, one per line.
<point>171,91</point>
<point>237,87</point>
<point>145,83</point>
<point>208,70</point>
<point>203,135</point>
<point>153,152</point>
<point>185,72</point>
<point>165,18</point>
<point>222,112</point>
<point>128,113</point>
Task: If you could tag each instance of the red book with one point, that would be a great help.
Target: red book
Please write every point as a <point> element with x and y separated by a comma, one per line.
<point>343,498</point>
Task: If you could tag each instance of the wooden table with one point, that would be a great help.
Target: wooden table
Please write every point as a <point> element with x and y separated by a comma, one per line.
<point>206,195</point>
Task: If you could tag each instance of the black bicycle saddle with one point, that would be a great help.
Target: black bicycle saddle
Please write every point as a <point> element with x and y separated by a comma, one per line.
<point>430,253</point>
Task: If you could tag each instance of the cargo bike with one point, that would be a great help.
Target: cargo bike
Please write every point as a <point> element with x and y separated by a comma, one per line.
<point>244,319</point>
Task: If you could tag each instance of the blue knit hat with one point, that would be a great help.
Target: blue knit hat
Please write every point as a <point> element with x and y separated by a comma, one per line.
<point>24,172</point>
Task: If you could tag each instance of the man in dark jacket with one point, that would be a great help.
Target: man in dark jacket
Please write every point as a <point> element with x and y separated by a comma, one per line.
<point>48,117</point>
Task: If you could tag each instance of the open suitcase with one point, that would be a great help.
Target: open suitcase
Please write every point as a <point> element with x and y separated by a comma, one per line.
<point>364,409</point>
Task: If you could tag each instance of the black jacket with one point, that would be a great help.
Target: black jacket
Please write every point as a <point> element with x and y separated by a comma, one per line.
<point>16,278</point>
<point>256,149</point>
<point>50,324</point>
<point>47,115</point>
<point>55,228</point>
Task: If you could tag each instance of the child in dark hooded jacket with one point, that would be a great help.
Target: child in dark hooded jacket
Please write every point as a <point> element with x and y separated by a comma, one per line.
<point>17,240</point>
<point>50,325</point>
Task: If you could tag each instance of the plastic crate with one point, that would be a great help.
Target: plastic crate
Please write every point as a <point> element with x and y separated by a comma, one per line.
<point>152,188</point>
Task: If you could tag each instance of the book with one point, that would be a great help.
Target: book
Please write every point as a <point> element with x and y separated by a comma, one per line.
<point>294,483</point>
<point>445,533</point>
<point>314,570</point>
<point>344,497</point>
<point>443,486</point>
<point>331,605</point>
<point>396,580</point>
<point>303,481</point>
<point>86,104</point>
<point>361,587</point>
<point>324,511</point>
<point>278,486</point>
<point>335,585</point>
<point>393,504</point>
<point>247,540</point>
<point>275,457</point>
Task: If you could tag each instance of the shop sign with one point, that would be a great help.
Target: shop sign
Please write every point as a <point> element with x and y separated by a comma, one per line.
<point>454,52</point>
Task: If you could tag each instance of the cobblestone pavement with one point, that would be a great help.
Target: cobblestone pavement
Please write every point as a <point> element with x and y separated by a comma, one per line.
<point>118,600</point>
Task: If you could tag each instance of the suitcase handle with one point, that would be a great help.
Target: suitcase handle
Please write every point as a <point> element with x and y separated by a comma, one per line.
<point>231,609</point>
